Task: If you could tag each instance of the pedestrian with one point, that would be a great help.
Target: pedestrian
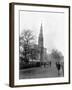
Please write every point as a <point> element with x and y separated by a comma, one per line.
<point>58,67</point>
<point>50,63</point>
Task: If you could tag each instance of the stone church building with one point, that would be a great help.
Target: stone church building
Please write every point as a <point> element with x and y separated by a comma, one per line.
<point>43,51</point>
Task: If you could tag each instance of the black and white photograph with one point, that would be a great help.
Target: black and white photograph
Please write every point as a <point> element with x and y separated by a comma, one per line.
<point>41,44</point>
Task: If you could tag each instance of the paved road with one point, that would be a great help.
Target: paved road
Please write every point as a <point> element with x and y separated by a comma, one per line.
<point>39,72</point>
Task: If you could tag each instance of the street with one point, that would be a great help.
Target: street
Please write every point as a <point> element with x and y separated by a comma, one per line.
<point>39,72</point>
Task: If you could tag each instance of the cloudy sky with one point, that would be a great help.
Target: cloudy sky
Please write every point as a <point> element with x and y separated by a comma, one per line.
<point>53,27</point>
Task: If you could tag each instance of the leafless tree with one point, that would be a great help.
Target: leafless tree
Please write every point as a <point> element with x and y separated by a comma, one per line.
<point>27,37</point>
<point>26,40</point>
<point>56,54</point>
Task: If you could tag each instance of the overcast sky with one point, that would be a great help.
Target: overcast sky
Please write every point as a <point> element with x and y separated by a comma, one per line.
<point>53,27</point>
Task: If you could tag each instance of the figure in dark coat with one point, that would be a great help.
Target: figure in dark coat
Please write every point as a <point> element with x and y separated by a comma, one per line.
<point>58,67</point>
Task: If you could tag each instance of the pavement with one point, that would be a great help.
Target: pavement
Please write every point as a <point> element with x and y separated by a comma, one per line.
<point>39,72</point>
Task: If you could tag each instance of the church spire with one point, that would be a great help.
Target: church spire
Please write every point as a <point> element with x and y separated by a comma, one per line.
<point>40,43</point>
<point>40,40</point>
<point>41,29</point>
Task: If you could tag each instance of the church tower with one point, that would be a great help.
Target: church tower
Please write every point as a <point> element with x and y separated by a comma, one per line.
<point>40,43</point>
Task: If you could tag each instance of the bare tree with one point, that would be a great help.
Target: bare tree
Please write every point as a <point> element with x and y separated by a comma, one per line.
<point>26,39</point>
<point>56,54</point>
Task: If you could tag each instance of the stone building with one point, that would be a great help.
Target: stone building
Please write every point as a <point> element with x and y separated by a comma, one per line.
<point>40,45</point>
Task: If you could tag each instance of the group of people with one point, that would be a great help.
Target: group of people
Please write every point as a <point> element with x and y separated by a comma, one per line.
<point>59,67</point>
